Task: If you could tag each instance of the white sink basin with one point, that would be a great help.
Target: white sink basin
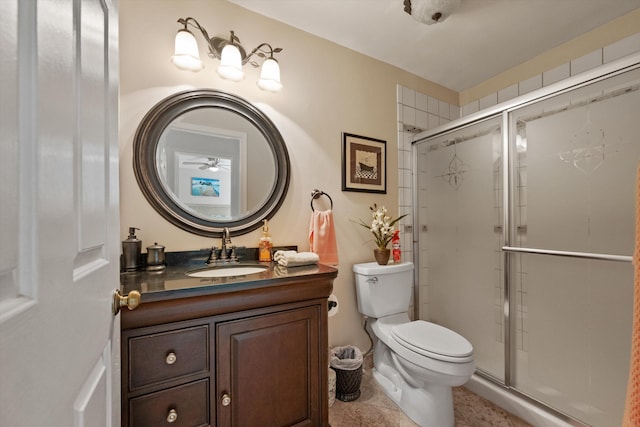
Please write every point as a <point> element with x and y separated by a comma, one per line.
<point>231,271</point>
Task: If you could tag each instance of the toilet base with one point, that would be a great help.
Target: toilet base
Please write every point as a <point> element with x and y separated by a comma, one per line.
<point>431,406</point>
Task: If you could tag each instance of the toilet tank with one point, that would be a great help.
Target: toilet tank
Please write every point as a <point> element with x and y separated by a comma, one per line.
<point>383,290</point>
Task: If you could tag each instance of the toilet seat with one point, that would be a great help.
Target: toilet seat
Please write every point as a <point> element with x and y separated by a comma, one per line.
<point>434,341</point>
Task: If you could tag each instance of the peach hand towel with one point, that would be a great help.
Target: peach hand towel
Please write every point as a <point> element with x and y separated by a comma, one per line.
<point>322,237</point>
<point>631,416</point>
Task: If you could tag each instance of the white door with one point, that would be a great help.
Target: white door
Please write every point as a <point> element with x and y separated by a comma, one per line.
<point>59,230</point>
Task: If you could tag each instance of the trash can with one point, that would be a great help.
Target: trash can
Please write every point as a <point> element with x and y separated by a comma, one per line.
<point>347,362</point>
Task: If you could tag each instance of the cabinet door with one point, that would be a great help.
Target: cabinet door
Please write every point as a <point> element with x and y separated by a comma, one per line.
<point>269,367</point>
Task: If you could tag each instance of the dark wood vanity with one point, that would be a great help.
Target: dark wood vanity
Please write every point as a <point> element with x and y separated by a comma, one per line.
<point>244,352</point>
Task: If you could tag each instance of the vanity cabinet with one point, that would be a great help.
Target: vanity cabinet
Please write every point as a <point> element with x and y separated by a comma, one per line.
<point>247,357</point>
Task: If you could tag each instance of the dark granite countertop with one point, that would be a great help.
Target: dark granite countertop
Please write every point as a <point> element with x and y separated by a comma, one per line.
<point>172,282</point>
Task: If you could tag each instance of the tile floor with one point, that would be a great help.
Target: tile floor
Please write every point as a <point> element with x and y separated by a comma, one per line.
<point>374,409</point>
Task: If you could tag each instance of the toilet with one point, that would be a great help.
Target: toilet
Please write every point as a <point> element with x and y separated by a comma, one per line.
<point>415,362</point>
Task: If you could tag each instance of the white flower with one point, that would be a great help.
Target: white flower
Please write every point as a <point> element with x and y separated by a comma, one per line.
<point>381,225</point>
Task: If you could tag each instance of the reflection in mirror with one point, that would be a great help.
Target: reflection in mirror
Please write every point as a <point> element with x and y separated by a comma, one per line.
<point>207,160</point>
<point>206,157</point>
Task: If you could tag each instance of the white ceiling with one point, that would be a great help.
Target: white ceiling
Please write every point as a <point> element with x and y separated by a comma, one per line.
<point>481,39</point>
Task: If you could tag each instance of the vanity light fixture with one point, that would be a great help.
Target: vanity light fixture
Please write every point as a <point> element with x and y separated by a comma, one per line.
<point>430,11</point>
<point>231,54</point>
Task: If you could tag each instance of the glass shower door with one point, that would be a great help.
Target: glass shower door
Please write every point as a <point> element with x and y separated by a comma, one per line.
<point>575,157</point>
<point>460,237</point>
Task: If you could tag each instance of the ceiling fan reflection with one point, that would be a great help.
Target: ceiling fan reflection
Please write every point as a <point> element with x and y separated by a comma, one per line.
<point>213,164</point>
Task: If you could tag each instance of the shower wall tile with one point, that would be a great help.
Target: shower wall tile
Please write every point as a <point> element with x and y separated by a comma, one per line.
<point>470,108</point>
<point>434,121</point>
<point>406,159</point>
<point>406,178</point>
<point>443,109</point>
<point>433,106</point>
<point>422,119</point>
<point>489,101</point>
<point>408,115</point>
<point>454,112</point>
<point>530,84</point>
<point>586,62</point>
<point>508,93</point>
<point>422,102</point>
<point>621,48</point>
<point>406,192</point>
<point>407,137</point>
<point>556,74</point>
<point>408,97</point>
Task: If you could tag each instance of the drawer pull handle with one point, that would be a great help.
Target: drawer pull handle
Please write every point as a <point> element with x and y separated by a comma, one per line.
<point>225,400</point>
<point>171,358</point>
<point>173,416</point>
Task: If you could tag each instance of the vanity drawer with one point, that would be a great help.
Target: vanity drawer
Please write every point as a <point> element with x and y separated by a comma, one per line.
<point>165,356</point>
<point>186,405</point>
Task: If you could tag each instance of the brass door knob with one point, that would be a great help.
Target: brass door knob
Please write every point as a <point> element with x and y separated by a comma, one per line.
<point>130,301</point>
<point>172,416</point>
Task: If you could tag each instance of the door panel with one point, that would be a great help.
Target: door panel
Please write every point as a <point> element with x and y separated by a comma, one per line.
<point>59,338</point>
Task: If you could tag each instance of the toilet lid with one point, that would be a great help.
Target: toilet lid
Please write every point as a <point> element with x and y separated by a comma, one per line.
<point>432,340</point>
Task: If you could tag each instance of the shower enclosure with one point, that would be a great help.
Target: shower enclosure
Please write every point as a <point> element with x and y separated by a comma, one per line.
<point>524,235</point>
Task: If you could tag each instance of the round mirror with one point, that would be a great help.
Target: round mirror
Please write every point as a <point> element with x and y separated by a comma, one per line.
<point>206,160</point>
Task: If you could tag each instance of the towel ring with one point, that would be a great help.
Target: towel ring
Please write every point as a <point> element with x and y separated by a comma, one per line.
<point>315,194</point>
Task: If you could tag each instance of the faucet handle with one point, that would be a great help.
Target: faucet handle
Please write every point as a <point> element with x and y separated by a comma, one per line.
<point>233,257</point>
<point>213,257</point>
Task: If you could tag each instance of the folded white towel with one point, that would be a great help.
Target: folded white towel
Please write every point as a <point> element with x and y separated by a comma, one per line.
<point>294,259</point>
<point>283,254</point>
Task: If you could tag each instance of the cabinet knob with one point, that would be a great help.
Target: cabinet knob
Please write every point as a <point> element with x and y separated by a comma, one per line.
<point>131,301</point>
<point>172,416</point>
<point>171,358</point>
<point>225,400</point>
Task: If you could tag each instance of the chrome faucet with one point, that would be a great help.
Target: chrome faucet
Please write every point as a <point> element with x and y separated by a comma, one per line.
<point>226,239</point>
<point>224,255</point>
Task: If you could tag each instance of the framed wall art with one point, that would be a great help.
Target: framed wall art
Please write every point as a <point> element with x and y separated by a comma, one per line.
<point>364,164</point>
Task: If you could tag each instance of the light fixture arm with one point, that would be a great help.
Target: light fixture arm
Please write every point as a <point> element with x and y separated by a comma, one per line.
<point>216,44</point>
<point>262,53</point>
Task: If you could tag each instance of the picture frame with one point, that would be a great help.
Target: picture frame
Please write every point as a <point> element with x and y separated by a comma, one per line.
<point>364,164</point>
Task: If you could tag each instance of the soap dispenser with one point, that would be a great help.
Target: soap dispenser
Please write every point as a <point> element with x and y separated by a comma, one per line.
<point>265,245</point>
<point>132,251</point>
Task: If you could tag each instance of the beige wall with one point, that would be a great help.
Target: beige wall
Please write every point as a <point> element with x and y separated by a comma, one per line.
<point>327,90</point>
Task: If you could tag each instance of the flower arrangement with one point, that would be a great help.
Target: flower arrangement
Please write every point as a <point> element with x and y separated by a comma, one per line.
<point>381,225</point>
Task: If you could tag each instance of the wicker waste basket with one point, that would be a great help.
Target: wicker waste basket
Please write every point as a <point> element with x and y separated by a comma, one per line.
<point>347,362</point>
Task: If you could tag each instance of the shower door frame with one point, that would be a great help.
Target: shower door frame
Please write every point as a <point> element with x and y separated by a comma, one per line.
<point>603,72</point>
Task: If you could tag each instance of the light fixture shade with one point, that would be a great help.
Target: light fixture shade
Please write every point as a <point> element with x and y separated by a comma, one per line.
<point>433,11</point>
<point>270,76</point>
<point>230,67</point>
<point>186,56</point>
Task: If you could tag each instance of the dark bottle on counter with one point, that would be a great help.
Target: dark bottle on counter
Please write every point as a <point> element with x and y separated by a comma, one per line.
<point>132,251</point>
